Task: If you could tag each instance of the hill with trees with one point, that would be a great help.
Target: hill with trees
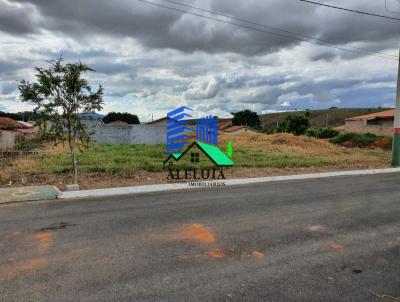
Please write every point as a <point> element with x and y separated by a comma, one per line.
<point>318,118</point>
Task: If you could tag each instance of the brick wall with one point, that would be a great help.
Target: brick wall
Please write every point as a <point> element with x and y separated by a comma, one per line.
<point>385,128</point>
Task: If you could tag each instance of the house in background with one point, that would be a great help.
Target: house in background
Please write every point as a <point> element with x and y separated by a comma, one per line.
<point>239,129</point>
<point>160,122</point>
<point>119,123</point>
<point>380,123</point>
<point>12,131</point>
<point>224,123</point>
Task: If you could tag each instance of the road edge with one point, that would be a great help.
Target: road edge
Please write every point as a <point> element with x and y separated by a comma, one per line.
<point>228,182</point>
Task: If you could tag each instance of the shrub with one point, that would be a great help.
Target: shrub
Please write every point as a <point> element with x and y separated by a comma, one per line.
<point>326,133</point>
<point>246,117</point>
<point>355,139</point>
<point>121,116</point>
<point>311,133</point>
<point>297,124</point>
<point>26,146</point>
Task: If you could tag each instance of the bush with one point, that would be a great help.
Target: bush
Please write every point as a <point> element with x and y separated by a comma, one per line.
<point>311,133</point>
<point>26,146</point>
<point>355,139</point>
<point>326,133</point>
<point>123,117</point>
<point>297,124</point>
<point>246,117</point>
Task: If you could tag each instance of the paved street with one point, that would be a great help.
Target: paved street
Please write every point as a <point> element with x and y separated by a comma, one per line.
<point>332,239</point>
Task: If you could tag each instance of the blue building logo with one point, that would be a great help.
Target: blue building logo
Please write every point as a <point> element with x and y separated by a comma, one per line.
<point>180,130</point>
<point>191,140</point>
<point>207,130</point>
<point>177,130</point>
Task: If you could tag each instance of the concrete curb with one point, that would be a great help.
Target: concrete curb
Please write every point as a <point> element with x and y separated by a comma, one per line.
<point>30,193</point>
<point>228,182</point>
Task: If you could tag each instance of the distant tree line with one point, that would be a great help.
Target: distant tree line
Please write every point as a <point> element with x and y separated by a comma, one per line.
<point>22,116</point>
<point>109,118</point>
<point>246,117</point>
<point>297,124</point>
<point>121,116</point>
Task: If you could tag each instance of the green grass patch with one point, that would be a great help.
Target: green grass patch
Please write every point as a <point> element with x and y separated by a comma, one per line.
<point>126,160</point>
<point>355,139</point>
<point>116,159</point>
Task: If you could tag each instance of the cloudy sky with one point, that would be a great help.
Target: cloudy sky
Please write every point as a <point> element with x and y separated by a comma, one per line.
<point>151,59</point>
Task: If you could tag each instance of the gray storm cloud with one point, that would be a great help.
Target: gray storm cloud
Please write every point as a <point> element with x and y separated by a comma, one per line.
<point>150,58</point>
<point>160,28</point>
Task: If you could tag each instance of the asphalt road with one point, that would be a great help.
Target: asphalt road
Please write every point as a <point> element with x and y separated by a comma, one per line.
<point>332,239</point>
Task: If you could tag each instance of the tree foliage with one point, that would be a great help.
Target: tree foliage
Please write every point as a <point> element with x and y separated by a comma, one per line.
<point>246,117</point>
<point>60,93</point>
<point>121,116</point>
<point>21,116</point>
<point>296,124</point>
<point>327,132</point>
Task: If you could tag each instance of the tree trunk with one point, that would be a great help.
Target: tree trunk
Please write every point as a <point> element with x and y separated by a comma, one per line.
<point>74,167</point>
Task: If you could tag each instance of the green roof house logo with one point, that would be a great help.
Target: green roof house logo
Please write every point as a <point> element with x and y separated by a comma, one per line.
<point>200,153</point>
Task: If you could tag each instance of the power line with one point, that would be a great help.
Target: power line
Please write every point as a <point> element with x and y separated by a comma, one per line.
<point>323,42</point>
<point>310,40</point>
<point>351,10</point>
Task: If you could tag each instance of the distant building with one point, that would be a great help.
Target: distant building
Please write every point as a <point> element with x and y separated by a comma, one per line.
<point>223,124</point>
<point>90,116</point>
<point>161,121</point>
<point>239,129</point>
<point>380,123</point>
<point>118,123</point>
<point>12,131</point>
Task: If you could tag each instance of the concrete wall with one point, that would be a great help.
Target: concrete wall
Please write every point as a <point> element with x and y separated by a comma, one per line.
<point>8,138</point>
<point>124,134</point>
<point>382,128</point>
<point>129,134</point>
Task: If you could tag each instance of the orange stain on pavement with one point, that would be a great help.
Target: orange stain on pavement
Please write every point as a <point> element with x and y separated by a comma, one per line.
<point>44,241</point>
<point>198,232</point>
<point>316,229</point>
<point>215,254</point>
<point>12,270</point>
<point>337,247</point>
<point>258,254</point>
<point>31,264</point>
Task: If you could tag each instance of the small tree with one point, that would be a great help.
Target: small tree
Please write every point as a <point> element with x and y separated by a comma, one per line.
<point>246,117</point>
<point>59,94</point>
<point>297,124</point>
<point>123,117</point>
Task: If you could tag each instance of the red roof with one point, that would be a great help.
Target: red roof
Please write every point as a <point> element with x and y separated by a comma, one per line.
<point>233,128</point>
<point>383,114</point>
<point>224,124</point>
<point>8,124</point>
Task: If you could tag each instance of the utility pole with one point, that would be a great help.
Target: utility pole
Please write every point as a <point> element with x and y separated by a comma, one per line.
<point>396,127</point>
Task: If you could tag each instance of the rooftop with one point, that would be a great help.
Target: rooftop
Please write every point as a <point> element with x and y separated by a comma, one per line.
<point>8,124</point>
<point>383,114</point>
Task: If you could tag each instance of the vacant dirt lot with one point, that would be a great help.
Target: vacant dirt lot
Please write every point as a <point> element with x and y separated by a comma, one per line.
<point>126,165</point>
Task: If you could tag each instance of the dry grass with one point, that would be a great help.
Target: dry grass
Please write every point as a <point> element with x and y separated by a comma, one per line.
<point>313,148</point>
<point>281,143</point>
